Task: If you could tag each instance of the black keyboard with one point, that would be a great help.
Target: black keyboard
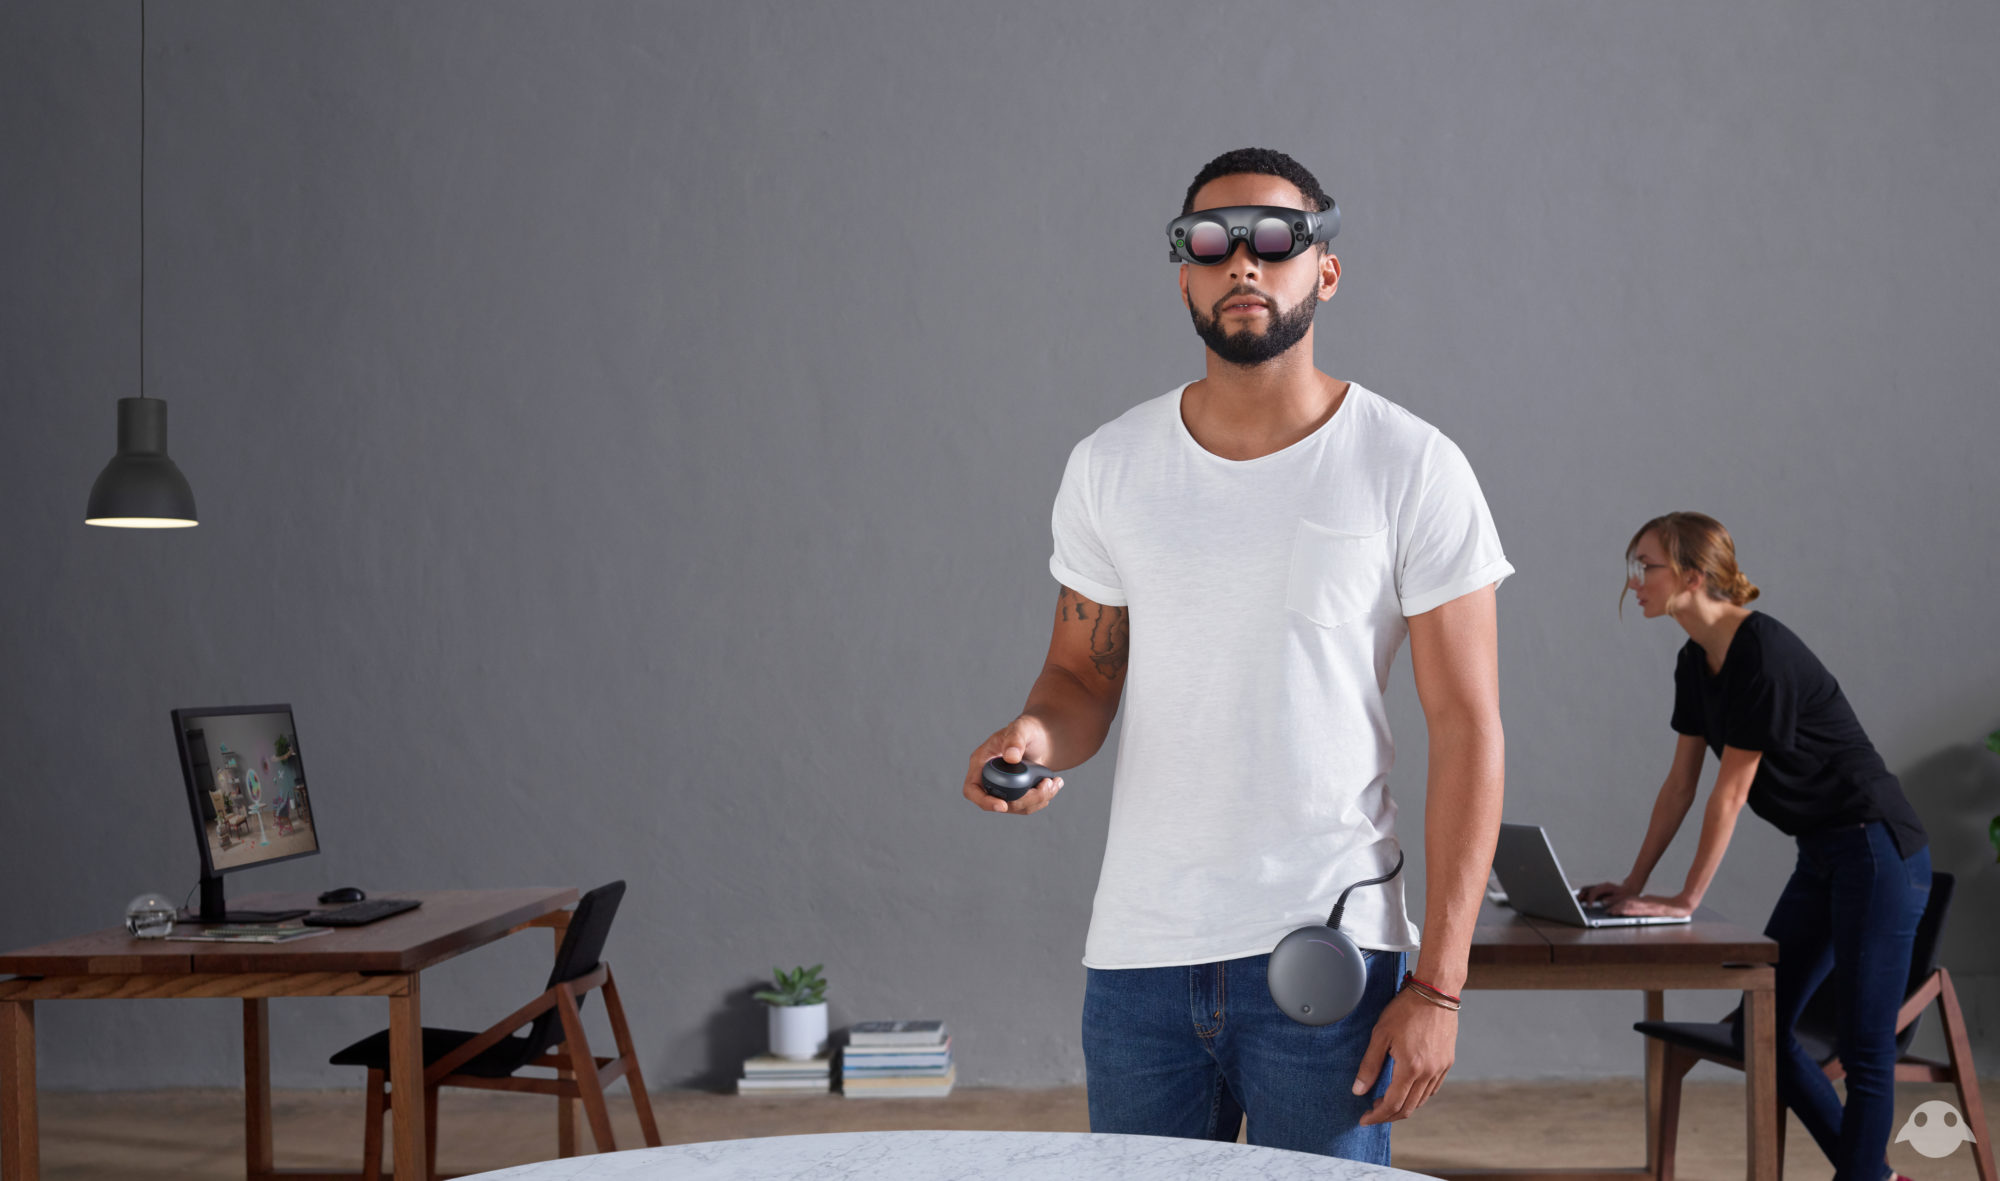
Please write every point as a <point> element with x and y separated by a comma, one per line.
<point>361,913</point>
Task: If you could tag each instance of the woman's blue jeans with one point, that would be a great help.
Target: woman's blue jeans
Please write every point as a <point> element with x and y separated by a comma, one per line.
<point>1189,1050</point>
<point>1846,919</point>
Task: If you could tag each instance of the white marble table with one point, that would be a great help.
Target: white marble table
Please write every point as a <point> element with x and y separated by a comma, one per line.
<point>952,1156</point>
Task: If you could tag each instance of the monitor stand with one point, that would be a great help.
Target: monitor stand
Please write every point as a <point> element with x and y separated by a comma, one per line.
<point>213,911</point>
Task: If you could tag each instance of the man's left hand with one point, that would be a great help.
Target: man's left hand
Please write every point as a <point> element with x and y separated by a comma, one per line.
<point>1423,1039</point>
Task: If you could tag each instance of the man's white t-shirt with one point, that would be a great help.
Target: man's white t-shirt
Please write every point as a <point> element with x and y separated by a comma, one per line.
<point>1267,600</point>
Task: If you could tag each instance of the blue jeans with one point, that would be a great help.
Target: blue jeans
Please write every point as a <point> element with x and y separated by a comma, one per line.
<point>1189,1050</point>
<point>1846,919</point>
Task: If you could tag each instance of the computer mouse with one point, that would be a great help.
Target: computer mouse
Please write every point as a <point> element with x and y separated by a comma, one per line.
<point>343,894</point>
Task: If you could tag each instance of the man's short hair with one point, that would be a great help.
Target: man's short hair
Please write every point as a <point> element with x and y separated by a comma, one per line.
<point>1265,162</point>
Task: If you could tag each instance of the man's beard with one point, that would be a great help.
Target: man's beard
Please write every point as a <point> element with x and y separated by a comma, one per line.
<point>1244,347</point>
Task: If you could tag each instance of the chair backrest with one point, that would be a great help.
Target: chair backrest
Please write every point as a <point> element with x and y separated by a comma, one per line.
<point>582,944</point>
<point>1821,1014</point>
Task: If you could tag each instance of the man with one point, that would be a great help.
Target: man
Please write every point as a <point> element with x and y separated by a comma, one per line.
<point>1251,549</point>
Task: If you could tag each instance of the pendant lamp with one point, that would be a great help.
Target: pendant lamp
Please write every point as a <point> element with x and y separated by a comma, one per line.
<point>141,488</point>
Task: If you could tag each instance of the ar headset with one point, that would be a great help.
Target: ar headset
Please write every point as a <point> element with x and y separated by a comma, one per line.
<point>1316,973</point>
<point>1207,237</point>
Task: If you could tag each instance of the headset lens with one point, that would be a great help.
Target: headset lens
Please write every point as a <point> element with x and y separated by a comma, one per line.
<point>1208,241</point>
<point>1272,238</point>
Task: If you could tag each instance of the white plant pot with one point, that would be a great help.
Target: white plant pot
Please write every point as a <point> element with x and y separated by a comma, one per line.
<point>798,1031</point>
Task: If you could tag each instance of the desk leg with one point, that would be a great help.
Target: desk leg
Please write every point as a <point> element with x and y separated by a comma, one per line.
<point>565,1106</point>
<point>20,1136</point>
<point>257,1087</point>
<point>565,1116</point>
<point>1761,1090</point>
<point>1656,1070</point>
<point>406,1077</point>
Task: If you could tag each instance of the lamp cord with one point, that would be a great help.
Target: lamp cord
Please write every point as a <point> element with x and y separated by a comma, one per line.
<point>142,198</point>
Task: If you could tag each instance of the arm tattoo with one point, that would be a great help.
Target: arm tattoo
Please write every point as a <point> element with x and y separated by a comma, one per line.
<point>1110,634</point>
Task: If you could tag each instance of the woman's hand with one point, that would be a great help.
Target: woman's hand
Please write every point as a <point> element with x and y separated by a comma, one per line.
<point>1606,892</point>
<point>1651,904</point>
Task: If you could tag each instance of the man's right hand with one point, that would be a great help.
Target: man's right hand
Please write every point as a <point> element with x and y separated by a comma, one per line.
<point>1022,738</point>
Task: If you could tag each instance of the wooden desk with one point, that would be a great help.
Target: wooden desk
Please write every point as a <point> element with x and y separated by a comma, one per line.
<point>1512,951</point>
<point>381,959</point>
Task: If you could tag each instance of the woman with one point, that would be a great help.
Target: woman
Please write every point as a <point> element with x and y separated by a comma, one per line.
<point>1748,689</point>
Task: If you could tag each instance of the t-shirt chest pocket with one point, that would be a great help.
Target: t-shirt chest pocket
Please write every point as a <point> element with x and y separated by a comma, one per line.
<point>1337,577</point>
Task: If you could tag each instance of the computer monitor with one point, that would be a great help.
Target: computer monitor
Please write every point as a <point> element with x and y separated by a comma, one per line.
<point>246,785</point>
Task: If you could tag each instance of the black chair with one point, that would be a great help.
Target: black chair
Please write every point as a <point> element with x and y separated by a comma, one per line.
<point>555,1039</point>
<point>1689,1042</point>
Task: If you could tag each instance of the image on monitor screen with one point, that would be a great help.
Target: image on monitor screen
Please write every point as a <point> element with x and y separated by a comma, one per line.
<point>249,783</point>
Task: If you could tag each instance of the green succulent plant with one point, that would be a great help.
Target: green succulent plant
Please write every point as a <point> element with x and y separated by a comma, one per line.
<point>800,986</point>
<point>1993,829</point>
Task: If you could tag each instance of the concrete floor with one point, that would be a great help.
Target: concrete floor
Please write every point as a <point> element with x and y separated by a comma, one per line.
<point>193,1135</point>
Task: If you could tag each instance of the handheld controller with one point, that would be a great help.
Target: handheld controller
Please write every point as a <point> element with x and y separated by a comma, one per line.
<point>1010,781</point>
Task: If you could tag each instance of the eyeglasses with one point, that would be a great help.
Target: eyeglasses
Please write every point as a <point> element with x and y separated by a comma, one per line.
<point>1208,237</point>
<point>1636,569</point>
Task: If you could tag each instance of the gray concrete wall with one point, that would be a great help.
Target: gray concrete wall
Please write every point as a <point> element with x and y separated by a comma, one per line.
<point>627,433</point>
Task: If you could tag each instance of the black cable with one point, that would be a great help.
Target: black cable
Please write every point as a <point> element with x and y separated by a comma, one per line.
<point>1333,920</point>
<point>142,198</point>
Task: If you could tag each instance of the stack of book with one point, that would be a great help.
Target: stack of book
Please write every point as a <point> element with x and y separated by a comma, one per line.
<point>768,1074</point>
<point>897,1060</point>
<point>243,933</point>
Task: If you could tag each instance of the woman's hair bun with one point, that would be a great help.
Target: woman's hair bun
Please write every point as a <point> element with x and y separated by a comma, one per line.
<point>1744,590</point>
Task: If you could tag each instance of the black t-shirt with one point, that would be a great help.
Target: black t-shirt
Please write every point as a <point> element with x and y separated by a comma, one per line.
<point>1819,770</point>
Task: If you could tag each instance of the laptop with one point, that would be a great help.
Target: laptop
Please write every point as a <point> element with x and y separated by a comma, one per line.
<point>1536,886</point>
